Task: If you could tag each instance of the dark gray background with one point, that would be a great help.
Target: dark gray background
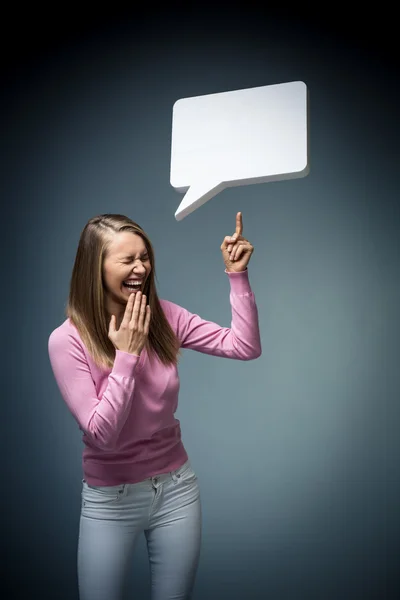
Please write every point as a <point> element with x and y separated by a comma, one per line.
<point>296,452</point>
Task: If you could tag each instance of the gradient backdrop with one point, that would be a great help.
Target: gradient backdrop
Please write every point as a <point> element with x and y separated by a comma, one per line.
<point>296,452</point>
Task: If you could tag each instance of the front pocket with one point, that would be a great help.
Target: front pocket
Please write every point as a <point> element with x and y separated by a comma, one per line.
<point>100,494</point>
<point>188,476</point>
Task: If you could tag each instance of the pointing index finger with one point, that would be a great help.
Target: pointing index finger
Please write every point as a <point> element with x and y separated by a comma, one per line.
<point>239,223</point>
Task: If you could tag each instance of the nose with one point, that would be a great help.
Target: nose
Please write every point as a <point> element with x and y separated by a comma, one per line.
<point>139,269</point>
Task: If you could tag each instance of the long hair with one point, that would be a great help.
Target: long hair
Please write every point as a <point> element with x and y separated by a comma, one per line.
<point>86,307</point>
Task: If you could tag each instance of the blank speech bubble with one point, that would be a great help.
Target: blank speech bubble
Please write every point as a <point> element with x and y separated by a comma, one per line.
<point>236,138</point>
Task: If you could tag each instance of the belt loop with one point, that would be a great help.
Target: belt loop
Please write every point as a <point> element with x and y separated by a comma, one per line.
<point>174,477</point>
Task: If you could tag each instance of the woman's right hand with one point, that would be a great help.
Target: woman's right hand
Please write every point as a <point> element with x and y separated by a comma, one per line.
<point>134,329</point>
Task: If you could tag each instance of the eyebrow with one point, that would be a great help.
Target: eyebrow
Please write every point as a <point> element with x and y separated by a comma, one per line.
<point>132,255</point>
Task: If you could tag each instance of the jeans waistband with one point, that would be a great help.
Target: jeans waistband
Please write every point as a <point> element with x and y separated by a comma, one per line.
<point>172,474</point>
<point>155,480</point>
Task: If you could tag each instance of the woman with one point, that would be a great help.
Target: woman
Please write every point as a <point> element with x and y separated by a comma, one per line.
<point>115,361</point>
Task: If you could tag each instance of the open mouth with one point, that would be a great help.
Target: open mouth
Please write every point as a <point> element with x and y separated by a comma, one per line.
<point>132,286</point>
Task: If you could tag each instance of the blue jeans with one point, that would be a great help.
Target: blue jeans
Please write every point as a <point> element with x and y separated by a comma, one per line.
<point>167,509</point>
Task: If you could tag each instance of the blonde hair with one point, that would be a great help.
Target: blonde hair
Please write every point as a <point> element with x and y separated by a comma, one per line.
<point>86,307</point>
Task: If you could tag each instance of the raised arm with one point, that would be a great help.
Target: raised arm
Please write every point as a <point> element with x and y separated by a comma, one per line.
<point>241,341</point>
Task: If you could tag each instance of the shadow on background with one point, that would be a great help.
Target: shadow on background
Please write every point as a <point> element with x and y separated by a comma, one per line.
<point>296,452</point>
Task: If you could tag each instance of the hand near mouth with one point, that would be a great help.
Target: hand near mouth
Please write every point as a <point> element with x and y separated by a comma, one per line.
<point>134,329</point>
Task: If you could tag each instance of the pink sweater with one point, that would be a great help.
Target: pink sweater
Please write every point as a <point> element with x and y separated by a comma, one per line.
<point>126,413</point>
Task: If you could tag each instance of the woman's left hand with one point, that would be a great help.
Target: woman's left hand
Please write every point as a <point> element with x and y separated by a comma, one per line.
<point>236,250</point>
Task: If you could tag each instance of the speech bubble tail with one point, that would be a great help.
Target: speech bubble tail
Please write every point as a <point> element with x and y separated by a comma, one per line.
<point>197,195</point>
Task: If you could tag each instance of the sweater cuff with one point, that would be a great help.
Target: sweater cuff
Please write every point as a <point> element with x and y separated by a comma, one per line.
<point>125,363</point>
<point>239,282</point>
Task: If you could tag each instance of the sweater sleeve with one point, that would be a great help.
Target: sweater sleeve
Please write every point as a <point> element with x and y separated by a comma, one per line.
<point>241,341</point>
<point>101,419</point>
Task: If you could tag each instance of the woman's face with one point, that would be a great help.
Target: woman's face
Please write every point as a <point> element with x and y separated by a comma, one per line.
<point>125,270</point>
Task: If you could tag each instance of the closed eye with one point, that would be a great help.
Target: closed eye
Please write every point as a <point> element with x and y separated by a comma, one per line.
<point>143,259</point>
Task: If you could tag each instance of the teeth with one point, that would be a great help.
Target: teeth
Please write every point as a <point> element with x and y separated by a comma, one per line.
<point>133,283</point>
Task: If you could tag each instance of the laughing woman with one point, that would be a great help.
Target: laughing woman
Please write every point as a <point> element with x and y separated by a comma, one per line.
<point>115,362</point>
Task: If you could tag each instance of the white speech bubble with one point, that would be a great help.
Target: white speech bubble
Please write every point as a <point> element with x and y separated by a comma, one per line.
<point>236,138</point>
